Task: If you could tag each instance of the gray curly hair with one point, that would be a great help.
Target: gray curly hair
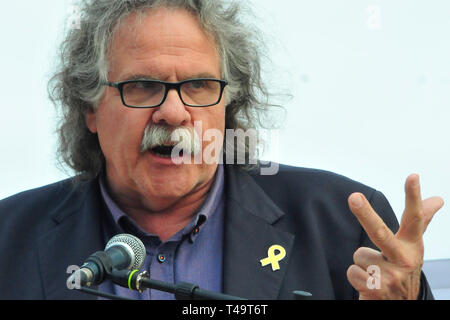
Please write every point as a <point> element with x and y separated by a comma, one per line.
<point>76,87</point>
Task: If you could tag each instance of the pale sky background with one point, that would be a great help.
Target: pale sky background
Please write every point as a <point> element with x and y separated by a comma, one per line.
<point>370,86</point>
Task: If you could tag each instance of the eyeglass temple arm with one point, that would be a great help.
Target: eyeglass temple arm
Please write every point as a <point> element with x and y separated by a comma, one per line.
<point>111,84</point>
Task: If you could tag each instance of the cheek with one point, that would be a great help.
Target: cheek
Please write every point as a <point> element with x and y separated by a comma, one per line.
<point>213,130</point>
<point>215,119</point>
<point>211,122</point>
<point>219,122</point>
<point>120,132</point>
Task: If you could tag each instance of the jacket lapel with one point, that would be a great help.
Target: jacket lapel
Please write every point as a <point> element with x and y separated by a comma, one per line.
<point>75,236</point>
<point>249,233</point>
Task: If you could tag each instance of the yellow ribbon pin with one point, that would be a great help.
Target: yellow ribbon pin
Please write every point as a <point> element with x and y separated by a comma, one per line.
<point>273,258</point>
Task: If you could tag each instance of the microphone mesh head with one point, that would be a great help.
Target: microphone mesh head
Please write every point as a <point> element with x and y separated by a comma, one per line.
<point>134,243</point>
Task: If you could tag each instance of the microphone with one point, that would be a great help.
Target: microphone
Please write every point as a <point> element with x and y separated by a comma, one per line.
<point>122,252</point>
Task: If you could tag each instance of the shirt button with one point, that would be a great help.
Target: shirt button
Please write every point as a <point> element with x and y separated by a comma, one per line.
<point>161,258</point>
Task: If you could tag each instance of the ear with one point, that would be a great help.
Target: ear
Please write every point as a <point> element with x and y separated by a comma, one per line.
<point>91,121</point>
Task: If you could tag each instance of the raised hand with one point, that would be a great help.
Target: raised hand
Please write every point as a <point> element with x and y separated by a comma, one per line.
<point>400,259</point>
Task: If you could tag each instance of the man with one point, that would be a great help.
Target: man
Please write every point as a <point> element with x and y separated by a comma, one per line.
<point>133,77</point>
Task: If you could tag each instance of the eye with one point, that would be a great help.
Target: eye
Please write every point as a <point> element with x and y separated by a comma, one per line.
<point>197,84</point>
<point>146,85</point>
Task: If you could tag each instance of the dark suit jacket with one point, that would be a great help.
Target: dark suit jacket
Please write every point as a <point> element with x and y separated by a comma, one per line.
<point>44,231</point>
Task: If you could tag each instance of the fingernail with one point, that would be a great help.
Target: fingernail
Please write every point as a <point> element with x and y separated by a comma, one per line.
<point>356,201</point>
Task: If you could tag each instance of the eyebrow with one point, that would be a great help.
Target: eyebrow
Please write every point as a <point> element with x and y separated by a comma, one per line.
<point>149,77</point>
<point>139,77</point>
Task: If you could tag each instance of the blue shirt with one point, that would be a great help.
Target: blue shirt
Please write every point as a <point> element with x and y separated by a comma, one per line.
<point>193,255</point>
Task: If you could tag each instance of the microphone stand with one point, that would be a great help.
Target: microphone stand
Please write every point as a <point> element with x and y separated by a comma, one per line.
<point>140,281</point>
<point>102,294</point>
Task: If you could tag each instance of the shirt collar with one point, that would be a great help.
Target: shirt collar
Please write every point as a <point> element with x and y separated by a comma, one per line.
<point>206,210</point>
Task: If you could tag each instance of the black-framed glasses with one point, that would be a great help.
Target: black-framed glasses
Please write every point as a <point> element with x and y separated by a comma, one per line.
<point>199,92</point>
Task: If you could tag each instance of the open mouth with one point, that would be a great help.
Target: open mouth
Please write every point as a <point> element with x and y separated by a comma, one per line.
<point>164,151</point>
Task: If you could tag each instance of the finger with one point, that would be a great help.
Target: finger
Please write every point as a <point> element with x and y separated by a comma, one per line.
<point>366,257</point>
<point>413,222</point>
<point>358,278</point>
<point>430,207</point>
<point>374,226</point>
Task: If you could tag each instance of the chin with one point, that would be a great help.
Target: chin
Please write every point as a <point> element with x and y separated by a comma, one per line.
<point>168,187</point>
<point>164,186</point>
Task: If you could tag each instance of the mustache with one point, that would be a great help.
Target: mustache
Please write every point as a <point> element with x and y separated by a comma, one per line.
<point>181,138</point>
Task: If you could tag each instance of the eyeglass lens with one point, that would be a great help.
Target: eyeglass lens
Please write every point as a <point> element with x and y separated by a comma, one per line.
<point>148,93</point>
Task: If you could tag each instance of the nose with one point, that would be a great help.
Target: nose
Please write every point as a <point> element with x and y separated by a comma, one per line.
<point>172,112</point>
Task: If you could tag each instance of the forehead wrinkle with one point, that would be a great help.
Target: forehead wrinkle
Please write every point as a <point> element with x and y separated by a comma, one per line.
<point>175,44</point>
<point>131,41</point>
<point>157,72</point>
